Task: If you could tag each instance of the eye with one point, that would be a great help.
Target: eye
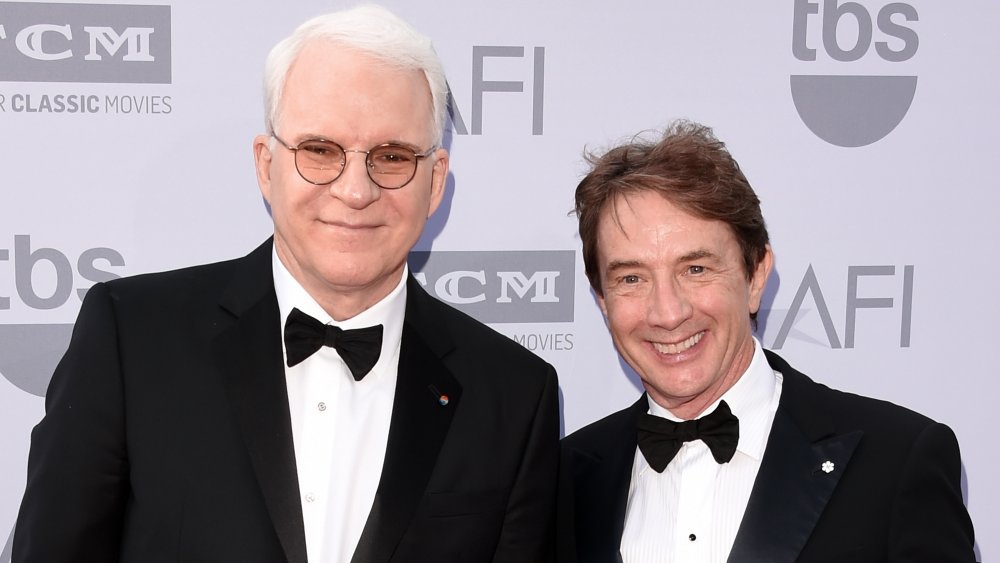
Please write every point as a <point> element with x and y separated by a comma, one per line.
<point>392,155</point>
<point>320,149</point>
<point>630,279</point>
<point>696,270</point>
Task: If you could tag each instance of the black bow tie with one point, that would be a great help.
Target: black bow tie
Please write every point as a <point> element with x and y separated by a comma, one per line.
<point>359,348</point>
<point>660,439</point>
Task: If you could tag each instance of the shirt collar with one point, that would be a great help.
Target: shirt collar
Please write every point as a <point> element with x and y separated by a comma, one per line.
<point>752,399</point>
<point>388,311</point>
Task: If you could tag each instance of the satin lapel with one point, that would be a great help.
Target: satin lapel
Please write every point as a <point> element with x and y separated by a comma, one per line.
<point>601,485</point>
<point>248,354</point>
<point>802,465</point>
<point>427,395</point>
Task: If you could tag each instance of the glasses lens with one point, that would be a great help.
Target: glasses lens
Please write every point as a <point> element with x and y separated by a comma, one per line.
<point>392,166</point>
<point>319,162</point>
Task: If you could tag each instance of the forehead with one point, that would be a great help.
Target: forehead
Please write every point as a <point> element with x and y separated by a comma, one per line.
<point>336,90</point>
<point>646,225</point>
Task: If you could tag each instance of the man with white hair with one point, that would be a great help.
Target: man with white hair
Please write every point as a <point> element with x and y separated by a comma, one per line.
<point>308,401</point>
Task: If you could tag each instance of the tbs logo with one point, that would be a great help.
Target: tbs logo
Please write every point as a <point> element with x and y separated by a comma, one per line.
<point>852,110</point>
<point>44,279</point>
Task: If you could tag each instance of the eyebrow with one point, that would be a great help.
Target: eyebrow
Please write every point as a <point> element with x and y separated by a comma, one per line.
<point>316,137</point>
<point>693,256</point>
<point>699,254</point>
<point>307,136</point>
<point>616,265</point>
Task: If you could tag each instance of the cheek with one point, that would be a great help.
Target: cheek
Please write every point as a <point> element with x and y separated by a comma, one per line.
<point>730,306</point>
<point>281,201</point>
<point>410,211</point>
<point>623,315</point>
<point>723,295</point>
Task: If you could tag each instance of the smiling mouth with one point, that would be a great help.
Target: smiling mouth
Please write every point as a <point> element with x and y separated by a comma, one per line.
<point>348,226</point>
<point>678,347</point>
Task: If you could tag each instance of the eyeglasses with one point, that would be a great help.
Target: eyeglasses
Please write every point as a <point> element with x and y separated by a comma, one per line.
<point>321,162</point>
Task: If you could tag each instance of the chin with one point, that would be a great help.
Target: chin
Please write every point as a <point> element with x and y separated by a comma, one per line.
<point>350,278</point>
<point>686,384</point>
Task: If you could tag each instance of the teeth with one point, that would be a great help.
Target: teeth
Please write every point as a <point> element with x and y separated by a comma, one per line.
<point>680,347</point>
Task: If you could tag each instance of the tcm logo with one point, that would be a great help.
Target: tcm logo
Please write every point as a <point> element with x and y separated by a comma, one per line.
<point>44,279</point>
<point>501,286</point>
<point>534,63</point>
<point>105,43</point>
<point>852,110</point>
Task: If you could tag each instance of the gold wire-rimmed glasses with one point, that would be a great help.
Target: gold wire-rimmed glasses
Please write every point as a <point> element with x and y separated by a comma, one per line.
<point>321,162</point>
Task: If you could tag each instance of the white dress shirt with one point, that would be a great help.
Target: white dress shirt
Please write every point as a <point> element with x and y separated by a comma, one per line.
<point>339,426</point>
<point>692,511</point>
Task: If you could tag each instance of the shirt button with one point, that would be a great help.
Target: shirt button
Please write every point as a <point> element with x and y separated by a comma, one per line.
<point>310,497</point>
<point>692,537</point>
<point>321,407</point>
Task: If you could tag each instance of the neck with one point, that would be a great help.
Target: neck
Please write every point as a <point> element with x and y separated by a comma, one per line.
<point>345,305</point>
<point>693,407</point>
<point>345,301</point>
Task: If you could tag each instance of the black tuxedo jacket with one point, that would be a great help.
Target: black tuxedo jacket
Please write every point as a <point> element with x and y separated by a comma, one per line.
<point>167,434</point>
<point>894,495</point>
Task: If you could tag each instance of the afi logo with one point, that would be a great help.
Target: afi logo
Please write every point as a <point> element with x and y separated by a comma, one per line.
<point>481,86</point>
<point>852,110</point>
<point>859,296</point>
<point>501,286</point>
<point>42,42</point>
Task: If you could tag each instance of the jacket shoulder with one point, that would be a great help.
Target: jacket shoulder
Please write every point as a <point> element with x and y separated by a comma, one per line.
<point>607,433</point>
<point>170,280</point>
<point>193,283</point>
<point>443,327</point>
<point>805,398</point>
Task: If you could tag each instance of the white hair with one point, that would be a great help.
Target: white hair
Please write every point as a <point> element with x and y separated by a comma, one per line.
<point>372,30</point>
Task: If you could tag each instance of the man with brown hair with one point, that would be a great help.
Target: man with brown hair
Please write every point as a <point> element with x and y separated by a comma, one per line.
<point>731,454</point>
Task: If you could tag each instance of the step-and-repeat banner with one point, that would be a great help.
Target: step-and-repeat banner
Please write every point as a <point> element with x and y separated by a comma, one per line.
<point>868,128</point>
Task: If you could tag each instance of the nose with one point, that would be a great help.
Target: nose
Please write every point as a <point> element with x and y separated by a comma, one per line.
<point>354,186</point>
<point>669,305</point>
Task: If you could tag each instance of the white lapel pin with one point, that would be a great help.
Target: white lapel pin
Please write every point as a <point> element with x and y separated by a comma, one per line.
<point>827,466</point>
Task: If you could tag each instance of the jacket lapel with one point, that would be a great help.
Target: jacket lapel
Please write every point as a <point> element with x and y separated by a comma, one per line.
<point>802,465</point>
<point>427,395</point>
<point>602,476</point>
<point>248,355</point>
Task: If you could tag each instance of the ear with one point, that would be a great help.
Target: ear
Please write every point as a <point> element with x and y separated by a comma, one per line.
<point>262,161</point>
<point>602,304</point>
<point>439,178</point>
<point>759,279</point>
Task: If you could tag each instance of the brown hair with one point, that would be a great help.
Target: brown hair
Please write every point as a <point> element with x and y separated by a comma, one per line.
<point>690,168</point>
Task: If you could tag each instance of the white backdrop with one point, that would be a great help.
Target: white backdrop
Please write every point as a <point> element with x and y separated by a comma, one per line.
<point>868,129</point>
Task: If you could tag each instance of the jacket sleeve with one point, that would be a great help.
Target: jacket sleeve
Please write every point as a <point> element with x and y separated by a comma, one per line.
<point>77,482</point>
<point>929,521</point>
<point>528,534</point>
